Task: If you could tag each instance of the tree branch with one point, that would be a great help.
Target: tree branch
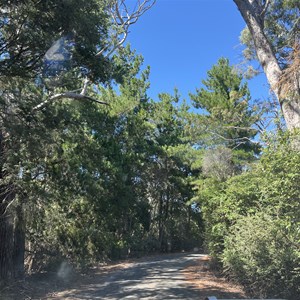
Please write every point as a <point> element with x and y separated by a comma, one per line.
<point>65,95</point>
<point>241,128</point>
<point>264,9</point>
<point>122,18</point>
<point>85,85</point>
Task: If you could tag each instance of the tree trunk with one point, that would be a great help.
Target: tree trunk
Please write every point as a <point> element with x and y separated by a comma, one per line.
<point>12,242</point>
<point>6,247</point>
<point>19,242</point>
<point>160,223</point>
<point>12,229</point>
<point>253,14</point>
<point>6,225</point>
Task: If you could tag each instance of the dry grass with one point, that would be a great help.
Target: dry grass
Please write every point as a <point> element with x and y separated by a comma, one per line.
<point>210,283</point>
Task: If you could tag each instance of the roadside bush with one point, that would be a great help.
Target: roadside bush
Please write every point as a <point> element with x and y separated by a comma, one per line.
<point>224,203</point>
<point>263,254</point>
<point>253,222</point>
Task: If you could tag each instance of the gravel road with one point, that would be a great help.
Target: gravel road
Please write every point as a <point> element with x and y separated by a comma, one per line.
<point>152,278</point>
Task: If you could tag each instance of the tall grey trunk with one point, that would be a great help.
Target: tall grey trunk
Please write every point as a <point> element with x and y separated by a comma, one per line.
<point>253,14</point>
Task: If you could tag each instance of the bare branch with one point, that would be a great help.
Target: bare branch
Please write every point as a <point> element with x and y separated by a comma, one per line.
<point>122,19</point>
<point>265,8</point>
<point>65,95</point>
<point>241,128</point>
<point>85,85</point>
<point>241,139</point>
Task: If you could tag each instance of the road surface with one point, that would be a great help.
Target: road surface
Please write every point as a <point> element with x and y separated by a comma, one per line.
<point>168,276</point>
<point>158,277</point>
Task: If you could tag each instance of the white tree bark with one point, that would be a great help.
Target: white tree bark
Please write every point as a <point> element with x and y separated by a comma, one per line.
<point>253,12</point>
<point>65,95</point>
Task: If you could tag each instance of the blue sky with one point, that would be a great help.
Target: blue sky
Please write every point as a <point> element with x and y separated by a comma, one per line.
<point>182,39</point>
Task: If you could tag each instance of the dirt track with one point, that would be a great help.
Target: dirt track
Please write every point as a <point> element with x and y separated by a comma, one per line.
<point>174,276</point>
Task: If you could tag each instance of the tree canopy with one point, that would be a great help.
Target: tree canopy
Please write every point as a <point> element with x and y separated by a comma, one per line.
<point>92,169</point>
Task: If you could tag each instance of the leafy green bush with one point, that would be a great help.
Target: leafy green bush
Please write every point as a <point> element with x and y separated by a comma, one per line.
<point>253,221</point>
<point>264,255</point>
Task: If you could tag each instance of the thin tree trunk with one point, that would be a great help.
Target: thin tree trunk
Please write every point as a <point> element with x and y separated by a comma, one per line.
<point>252,13</point>
<point>6,248</point>
<point>6,224</point>
<point>6,241</point>
<point>160,223</point>
<point>12,244</point>
<point>12,229</point>
<point>19,242</point>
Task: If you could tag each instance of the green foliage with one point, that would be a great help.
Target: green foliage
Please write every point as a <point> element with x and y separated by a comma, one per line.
<point>225,98</point>
<point>264,255</point>
<point>250,209</point>
<point>104,173</point>
<point>280,172</point>
<point>256,213</point>
<point>93,182</point>
<point>222,203</point>
<point>229,150</point>
<point>140,176</point>
<point>169,187</point>
<point>29,28</point>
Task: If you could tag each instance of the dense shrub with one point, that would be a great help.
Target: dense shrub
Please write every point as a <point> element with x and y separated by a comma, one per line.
<point>262,249</point>
<point>253,221</point>
<point>264,255</point>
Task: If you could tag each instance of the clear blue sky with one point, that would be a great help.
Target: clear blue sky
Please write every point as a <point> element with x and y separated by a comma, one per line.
<point>182,39</point>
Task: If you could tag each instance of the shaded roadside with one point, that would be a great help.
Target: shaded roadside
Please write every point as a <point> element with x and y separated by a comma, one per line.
<point>168,276</point>
<point>210,282</point>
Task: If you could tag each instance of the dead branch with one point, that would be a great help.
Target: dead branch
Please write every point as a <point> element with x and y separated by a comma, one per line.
<point>65,95</point>
<point>264,9</point>
<point>122,18</point>
<point>241,128</point>
<point>85,86</point>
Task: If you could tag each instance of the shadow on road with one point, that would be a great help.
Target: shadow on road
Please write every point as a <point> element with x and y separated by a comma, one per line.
<point>159,277</point>
<point>155,277</point>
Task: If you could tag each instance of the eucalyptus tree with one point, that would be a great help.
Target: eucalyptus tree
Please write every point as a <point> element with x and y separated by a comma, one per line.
<point>273,37</point>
